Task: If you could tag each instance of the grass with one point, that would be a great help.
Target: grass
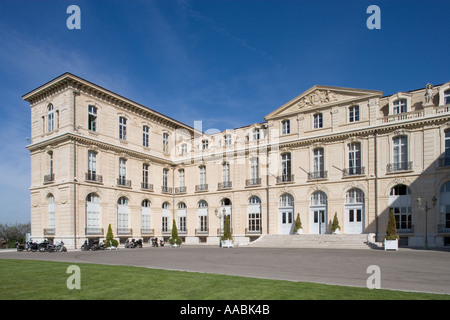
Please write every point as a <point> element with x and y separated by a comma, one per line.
<point>27,279</point>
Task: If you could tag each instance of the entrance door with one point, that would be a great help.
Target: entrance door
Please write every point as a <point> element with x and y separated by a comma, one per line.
<point>354,223</point>
<point>319,221</point>
<point>286,221</point>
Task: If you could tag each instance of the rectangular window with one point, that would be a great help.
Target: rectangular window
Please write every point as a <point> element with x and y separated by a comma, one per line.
<point>254,167</point>
<point>166,143</point>
<point>353,113</point>
<point>286,167</point>
<point>202,175</point>
<point>400,153</point>
<point>145,130</point>
<point>92,165</point>
<point>447,97</point>
<point>122,128</point>
<point>318,163</point>
<point>285,127</point>
<point>447,145</point>
<point>165,177</point>
<point>354,158</point>
<point>318,121</point>
<point>92,118</point>
<point>145,175</point>
<point>181,178</point>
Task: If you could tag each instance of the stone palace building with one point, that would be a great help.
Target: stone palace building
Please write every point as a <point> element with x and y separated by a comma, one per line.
<point>100,159</point>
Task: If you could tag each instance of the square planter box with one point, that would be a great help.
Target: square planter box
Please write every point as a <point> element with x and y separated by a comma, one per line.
<point>391,244</point>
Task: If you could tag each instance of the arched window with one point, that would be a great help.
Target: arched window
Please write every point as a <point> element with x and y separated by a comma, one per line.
<point>286,200</point>
<point>145,217</point>
<point>202,216</point>
<point>165,217</point>
<point>254,215</point>
<point>318,198</point>
<point>354,196</point>
<point>400,204</point>
<point>51,215</point>
<point>182,210</point>
<point>444,205</point>
<point>92,214</point>
<point>122,216</point>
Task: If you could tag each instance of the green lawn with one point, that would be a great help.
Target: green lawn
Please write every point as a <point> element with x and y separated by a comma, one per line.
<point>26,279</point>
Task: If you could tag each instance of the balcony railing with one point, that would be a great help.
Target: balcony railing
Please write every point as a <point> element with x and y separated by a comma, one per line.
<point>444,228</point>
<point>253,182</point>
<point>49,231</point>
<point>224,185</point>
<point>399,166</point>
<point>124,231</point>
<point>93,231</point>
<point>284,178</point>
<point>122,182</point>
<point>148,231</point>
<point>146,186</point>
<point>318,175</point>
<point>49,178</point>
<point>180,190</point>
<point>201,187</point>
<point>201,231</point>
<point>353,171</point>
<point>165,189</point>
<point>93,177</point>
<point>403,116</point>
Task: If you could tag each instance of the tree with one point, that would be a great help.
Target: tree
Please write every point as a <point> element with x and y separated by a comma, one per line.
<point>335,224</point>
<point>227,229</point>
<point>110,241</point>
<point>298,223</point>
<point>391,229</point>
<point>175,239</point>
<point>13,233</point>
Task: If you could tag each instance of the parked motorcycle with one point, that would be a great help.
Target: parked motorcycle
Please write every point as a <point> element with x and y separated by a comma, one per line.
<point>44,246</point>
<point>32,246</point>
<point>93,245</point>
<point>59,247</point>
<point>133,243</point>
<point>20,246</point>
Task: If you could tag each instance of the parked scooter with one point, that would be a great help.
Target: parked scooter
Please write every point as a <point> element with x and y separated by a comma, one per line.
<point>59,247</point>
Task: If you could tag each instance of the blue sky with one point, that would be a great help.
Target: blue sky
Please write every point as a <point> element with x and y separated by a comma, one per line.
<point>226,63</point>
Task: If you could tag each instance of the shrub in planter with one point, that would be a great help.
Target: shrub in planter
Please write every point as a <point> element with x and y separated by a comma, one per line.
<point>227,238</point>
<point>110,241</point>
<point>391,238</point>
<point>175,239</point>
<point>298,225</point>
<point>335,225</point>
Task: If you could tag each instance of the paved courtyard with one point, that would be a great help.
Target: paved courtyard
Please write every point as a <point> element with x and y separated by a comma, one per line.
<point>407,269</point>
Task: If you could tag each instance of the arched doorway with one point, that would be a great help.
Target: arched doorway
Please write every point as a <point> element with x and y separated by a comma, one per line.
<point>286,214</point>
<point>319,212</point>
<point>354,211</point>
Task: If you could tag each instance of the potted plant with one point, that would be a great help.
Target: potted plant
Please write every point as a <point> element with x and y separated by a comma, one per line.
<point>335,228</point>
<point>391,238</point>
<point>298,225</point>
<point>175,240</point>
<point>227,239</point>
<point>110,242</point>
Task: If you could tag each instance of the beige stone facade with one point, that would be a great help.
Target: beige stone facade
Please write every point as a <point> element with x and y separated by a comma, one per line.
<point>99,159</point>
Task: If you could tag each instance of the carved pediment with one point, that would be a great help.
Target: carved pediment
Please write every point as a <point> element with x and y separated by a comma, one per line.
<point>322,96</point>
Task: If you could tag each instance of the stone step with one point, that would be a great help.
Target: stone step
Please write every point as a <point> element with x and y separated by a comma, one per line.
<point>357,241</point>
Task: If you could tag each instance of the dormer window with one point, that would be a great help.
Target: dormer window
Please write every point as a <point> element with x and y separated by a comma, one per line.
<point>227,139</point>
<point>447,97</point>
<point>400,106</point>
